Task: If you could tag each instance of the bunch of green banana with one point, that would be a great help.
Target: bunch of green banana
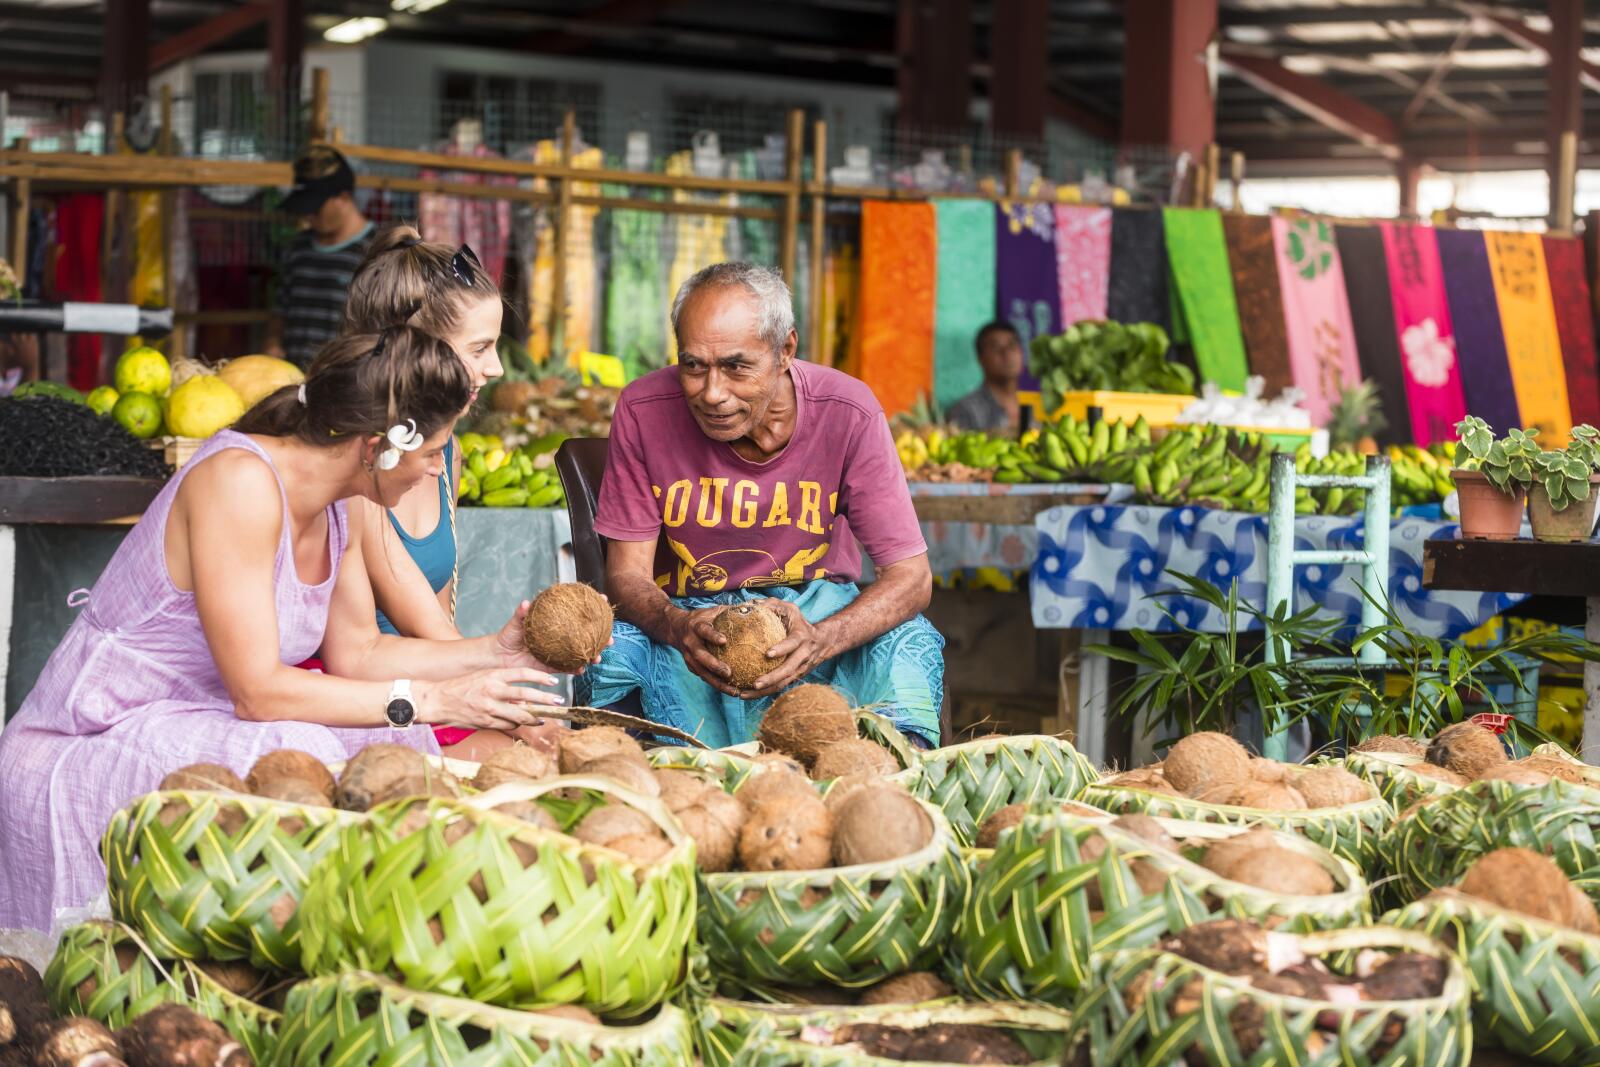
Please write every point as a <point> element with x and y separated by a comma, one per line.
<point>1069,450</point>
<point>1420,476</point>
<point>521,478</point>
<point>1208,465</point>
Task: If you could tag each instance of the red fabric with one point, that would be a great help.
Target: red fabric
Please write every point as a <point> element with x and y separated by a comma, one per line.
<point>451,735</point>
<point>312,664</point>
<point>79,218</point>
<point>1569,292</point>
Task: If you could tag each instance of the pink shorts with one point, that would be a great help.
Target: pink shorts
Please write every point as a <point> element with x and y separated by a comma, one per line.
<point>445,735</point>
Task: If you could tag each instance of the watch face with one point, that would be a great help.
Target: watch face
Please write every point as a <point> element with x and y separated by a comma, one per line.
<point>400,712</point>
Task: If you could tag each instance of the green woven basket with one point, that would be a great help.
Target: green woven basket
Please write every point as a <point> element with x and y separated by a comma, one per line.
<point>223,881</point>
<point>1533,982</point>
<point>482,905</point>
<point>1029,933</point>
<point>843,926</point>
<point>357,1019</point>
<point>974,780</point>
<point>1350,831</point>
<point>730,766</point>
<point>1146,1006</point>
<point>1391,773</point>
<point>104,971</point>
<point>735,765</point>
<point>732,1032</point>
<point>1433,846</point>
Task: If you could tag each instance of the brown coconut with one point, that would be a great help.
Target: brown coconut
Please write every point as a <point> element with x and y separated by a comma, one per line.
<point>1220,856</point>
<point>806,719</point>
<point>529,812</point>
<point>1438,774</point>
<point>292,791</point>
<point>1405,746</point>
<point>1581,915</point>
<point>236,976</point>
<point>874,825</point>
<point>514,763</point>
<point>855,756</point>
<point>567,627</point>
<point>596,742</point>
<point>611,821</point>
<point>1149,779</point>
<point>1281,870</point>
<point>1205,759</point>
<point>714,821</point>
<point>751,629</point>
<point>174,1035</point>
<point>1467,749</point>
<point>76,1042</point>
<point>1520,880</point>
<point>917,987</point>
<point>774,784</point>
<point>1145,828</point>
<point>1269,796</point>
<point>1332,787</point>
<point>1555,767</point>
<point>780,761</point>
<point>843,787</point>
<point>791,834</point>
<point>679,789</point>
<point>381,772</point>
<point>625,771</point>
<point>1516,775</point>
<point>643,849</point>
<point>1268,770</point>
<point>291,763</point>
<point>990,829</point>
<point>203,777</point>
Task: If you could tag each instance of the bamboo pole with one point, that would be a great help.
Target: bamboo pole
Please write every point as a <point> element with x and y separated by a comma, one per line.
<point>1565,184</point>
<point>819,210</point>
<point>320,108</point>
<point>1013,174</point>
<point>793,154</point>
<point>1237,176</point>
<point>558,294</point>
<point>21,193</point>
<point>1213,167</point>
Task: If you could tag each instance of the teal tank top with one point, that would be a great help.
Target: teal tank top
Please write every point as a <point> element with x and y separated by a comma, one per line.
<point>435,554</point>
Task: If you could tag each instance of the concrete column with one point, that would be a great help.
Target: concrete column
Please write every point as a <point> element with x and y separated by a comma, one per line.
<point>1565,92</point>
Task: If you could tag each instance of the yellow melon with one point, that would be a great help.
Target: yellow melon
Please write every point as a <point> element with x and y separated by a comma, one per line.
<point>255,377</point>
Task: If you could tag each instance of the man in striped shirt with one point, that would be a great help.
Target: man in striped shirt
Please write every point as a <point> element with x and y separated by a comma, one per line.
<point>315,275</point>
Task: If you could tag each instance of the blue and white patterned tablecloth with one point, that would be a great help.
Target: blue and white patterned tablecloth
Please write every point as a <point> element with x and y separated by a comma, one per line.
<point>1097,566</point>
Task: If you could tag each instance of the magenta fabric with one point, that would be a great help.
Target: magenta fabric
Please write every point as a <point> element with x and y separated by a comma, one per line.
<point>132,694</point>
<point>1316,310</point>
<point>1422,323</point>
<point>726,523</point>
<point>1083,261</point>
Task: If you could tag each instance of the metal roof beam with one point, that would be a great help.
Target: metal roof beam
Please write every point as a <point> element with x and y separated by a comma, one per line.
<point>1318,100</point>
<point>208,34</point>
<point>1519,32</point>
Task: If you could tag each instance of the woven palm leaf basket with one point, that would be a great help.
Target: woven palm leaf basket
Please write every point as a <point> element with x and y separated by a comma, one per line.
<point>1350,831</point>
<point>733,766</point>
<point>1147,1007</point>
<point>1061,891</point>
<point>208,875</point>
<point>1534,983</point>
<point>104,971</point>
<point>358,1019</point>
<point>1394,775</point>
<point>1436,842</point>
<point>453,896</point>
<point>732,1032</point>
<point>842,926</point>
<point>974,780</point>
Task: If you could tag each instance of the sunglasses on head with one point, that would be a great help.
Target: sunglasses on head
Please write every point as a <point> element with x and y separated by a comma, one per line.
<point>465,266</point>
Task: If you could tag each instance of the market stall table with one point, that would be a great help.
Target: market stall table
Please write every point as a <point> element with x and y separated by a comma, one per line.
<point>1530,568</point>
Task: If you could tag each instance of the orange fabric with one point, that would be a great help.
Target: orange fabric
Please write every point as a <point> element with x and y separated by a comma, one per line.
<point>1533,344</point>
<point>895,303</point>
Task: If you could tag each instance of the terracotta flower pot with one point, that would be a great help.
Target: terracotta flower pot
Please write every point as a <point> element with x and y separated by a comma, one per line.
<point>1487,514</point>
<point>1573,523</point>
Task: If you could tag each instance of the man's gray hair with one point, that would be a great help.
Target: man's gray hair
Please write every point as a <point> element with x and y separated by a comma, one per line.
<point>774,303</point>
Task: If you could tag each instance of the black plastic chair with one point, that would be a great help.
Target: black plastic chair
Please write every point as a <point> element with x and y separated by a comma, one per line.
<point>580,464</point>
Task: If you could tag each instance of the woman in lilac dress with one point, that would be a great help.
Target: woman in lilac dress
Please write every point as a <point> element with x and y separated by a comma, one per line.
<point>247,563</point>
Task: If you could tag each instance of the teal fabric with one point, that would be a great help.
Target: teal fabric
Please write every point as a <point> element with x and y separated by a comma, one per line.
<point>965,297</point>
<point>901,674</point>
<point>636,297</point>
<point>434,554</point>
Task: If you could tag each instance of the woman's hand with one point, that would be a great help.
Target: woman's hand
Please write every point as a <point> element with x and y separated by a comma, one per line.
<point>495,699</point>
<point>509,646</point>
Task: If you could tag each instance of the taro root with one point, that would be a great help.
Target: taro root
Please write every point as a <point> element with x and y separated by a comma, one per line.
<point>79,1042</point>
<point>173,1035</point>
<point>236,976</point>
<point>567,627</point>
<point>804,720</point>
<point>787,834</point>
<point>1466,749</point>
<point>751,629</point>
<point>23,1004</point>
<point>1406,976</point>
<point>1205,759</point>
<point>294,764</point>
<point>1234,946</point>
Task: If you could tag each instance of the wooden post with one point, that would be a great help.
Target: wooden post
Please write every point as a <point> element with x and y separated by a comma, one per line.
<point>113,245</point>
<point>1593,244</point>
<point>1213,166</point>
<point>819,208</point>
<point>1013,173</point>
<point>1562,190</point>
<point>177,347</point>
<point>21,192</point>
<point>789,238</point>
<point>320,118</point>
<point>559,228</point>
<point>1237,176</point>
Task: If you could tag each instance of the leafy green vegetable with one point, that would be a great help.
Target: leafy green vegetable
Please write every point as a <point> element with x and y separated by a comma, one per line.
<point>1124,357</point>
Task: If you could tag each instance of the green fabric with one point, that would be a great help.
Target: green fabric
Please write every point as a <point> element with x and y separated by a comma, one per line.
<point>1198,253</point>
<point>636,299</point>
<point>965,298</point>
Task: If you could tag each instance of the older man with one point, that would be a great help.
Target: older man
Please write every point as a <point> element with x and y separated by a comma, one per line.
<point>741,474</point>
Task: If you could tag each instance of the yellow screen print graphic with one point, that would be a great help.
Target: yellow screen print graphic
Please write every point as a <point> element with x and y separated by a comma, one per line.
<point>701,503</point>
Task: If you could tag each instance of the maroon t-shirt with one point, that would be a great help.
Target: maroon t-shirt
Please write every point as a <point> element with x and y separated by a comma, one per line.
<point>728,523</point>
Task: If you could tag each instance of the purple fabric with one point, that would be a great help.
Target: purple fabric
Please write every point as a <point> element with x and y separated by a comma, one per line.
<point>1480,339</point>
<point>1027,286</point>
<point>131,694</point>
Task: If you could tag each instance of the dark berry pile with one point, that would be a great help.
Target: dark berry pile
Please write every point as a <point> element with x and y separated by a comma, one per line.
<point>43,437</point>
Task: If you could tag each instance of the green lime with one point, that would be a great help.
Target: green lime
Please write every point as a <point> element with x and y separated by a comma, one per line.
<point>143,370</point>
<point>139,414</point>
<point>102,400</point>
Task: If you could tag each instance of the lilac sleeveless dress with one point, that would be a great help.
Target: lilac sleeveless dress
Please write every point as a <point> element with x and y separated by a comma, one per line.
<point>131,694</point>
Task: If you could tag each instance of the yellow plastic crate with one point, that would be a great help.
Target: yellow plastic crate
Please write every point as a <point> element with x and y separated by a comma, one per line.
<point>1158,409</point>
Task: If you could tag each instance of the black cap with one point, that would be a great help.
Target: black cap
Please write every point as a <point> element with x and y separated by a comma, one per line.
<point>320,174</point>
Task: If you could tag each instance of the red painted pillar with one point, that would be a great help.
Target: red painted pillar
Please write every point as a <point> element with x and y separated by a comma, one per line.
<point>286,41</point>
<point>1166,92</point>
<point>933,42</point>
<point>1408,172</point>
<point>1565,89</point>
<point>1019,57</point>
<point>124,54</point>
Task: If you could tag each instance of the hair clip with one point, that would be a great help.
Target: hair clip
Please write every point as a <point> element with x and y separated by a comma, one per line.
<point>402,438</point>
<point>465,266</point>
<point>302,394</point>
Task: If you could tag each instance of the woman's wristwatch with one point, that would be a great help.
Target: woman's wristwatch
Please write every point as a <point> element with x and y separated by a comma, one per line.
<point>400,711</point>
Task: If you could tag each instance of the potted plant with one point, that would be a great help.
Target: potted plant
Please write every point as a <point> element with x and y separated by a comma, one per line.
<point>1561,506</point>
<point>1492,476</point>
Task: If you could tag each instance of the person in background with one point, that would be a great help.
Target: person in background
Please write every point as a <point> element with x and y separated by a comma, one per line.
<point>993,406</point>
<point>315,274</point>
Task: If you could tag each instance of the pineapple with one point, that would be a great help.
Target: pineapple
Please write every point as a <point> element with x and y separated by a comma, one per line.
<point>1356,419</point>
